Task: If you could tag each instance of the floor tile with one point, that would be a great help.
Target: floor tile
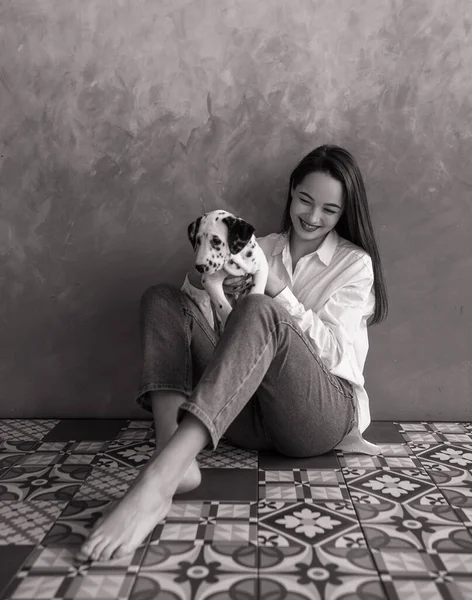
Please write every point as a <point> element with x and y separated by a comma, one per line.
<point>317,563</point>
<point>63,560</point>
<point>273,460</point>
<point>415,426</point>
<point>418,563</point>
<point>427,509</point>
<point>465,515</point>
<point>302,484</point>
<point>363,461</point>
<point>25,429</point>
<point>400,588</point>
<point>26,523</point>
<point>433,538</point>
<point>448,427</point>
<point>310,522</point>
<point>460,497</point>
<point>421,437</point>
<point>106,483</point>
<point>182,569</point>
<point>18,446</point>
<point>225,484</point>
<point>208,522</point>
<point>340,526</point>
<point>289,586</point>
<point>126,453</point>
<point>11,559</point>
<point>42,483</point>
<point>451,455</point>
<point>316,572</point>
<point>383,431</point>
<point>445,476</point>
<point>85,429</point>
<point>136,434</point>
<point>194,582</point>
<point>444,432</point>
<point>227,457</point>
<point>8,460</point>
<point>395,449</point>
<point>141,424</point>
<point>76,522</point>
<point>394,484</point>
<point>77,583</point>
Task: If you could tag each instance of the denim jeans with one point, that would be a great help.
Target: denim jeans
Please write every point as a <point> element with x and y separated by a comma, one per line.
<point>261,384</point>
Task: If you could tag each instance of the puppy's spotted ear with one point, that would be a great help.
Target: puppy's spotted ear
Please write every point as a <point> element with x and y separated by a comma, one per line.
<point>192,232</point>
<point>239,233</point>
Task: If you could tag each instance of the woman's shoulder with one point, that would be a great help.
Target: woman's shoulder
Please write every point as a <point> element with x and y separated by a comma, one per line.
<point>353,254</point>
<point>267,242</point>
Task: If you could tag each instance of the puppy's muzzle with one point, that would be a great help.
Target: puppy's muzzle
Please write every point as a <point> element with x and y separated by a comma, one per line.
<point>201,268</point>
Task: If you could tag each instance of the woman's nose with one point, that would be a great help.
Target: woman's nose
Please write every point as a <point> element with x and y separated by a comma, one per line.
<point>315,217</point>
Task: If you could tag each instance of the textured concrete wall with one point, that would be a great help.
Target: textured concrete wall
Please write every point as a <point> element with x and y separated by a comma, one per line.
<point>121,121</point>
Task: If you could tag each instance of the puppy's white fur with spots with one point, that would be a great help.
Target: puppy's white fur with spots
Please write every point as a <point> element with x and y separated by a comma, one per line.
<point>226,245</point>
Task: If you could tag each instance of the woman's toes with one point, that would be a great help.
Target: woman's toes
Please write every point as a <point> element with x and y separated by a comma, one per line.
<point>87,548</point>
<point>107,552</point>
<point>98,550</point>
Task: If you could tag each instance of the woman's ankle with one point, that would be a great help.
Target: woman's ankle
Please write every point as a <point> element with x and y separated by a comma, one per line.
<point>165,405</point>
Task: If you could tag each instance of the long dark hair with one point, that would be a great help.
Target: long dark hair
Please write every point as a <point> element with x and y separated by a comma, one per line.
<point>355,224</point>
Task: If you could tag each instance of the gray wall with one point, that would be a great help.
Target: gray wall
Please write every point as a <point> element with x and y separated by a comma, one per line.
<point>120,122</point>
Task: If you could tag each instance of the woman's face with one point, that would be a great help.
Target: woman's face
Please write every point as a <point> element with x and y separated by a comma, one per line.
<point>317,205</point>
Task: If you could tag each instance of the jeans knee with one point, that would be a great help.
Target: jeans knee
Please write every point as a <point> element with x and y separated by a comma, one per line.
<point>255,303</point>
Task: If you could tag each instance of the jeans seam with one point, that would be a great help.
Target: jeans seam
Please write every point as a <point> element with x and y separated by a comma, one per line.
<point>188,355</point>
<point>330,377</point>
<point>202,326</point>
<point>249,374</point>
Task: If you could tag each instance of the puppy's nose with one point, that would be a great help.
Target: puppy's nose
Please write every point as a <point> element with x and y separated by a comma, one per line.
<point>200,268</point>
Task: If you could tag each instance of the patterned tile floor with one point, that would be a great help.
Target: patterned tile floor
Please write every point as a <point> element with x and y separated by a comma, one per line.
<point>396,526</point>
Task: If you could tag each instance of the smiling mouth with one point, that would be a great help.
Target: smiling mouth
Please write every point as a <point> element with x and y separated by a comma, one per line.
<point>305,225</point>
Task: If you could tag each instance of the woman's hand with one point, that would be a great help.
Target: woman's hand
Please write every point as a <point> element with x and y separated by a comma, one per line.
<point>237,285</point>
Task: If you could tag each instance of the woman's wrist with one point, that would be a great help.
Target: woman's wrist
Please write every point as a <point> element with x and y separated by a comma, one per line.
<point>273,288</point>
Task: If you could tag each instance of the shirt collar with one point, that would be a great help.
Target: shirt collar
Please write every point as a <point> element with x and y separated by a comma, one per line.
<point>325,252</point>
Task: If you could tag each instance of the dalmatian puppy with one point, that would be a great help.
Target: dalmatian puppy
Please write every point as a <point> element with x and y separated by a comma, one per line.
<point>226,245</point>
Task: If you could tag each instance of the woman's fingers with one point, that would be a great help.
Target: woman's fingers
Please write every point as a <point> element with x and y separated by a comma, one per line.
<point>235,279</point>
<point>237,284</point>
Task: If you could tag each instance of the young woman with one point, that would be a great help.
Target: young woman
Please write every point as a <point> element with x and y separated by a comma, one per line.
<point>287,372</point>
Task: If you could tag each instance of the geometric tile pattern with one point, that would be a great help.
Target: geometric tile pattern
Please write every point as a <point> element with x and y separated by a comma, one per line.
<point>342,526</point>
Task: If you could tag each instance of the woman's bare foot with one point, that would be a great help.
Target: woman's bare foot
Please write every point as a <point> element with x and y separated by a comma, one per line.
<point>191,480</point>
<point>149,499</point>
<point>127,524</point>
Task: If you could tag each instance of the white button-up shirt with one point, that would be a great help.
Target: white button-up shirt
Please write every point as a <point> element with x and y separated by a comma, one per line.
<point>330,295</point>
